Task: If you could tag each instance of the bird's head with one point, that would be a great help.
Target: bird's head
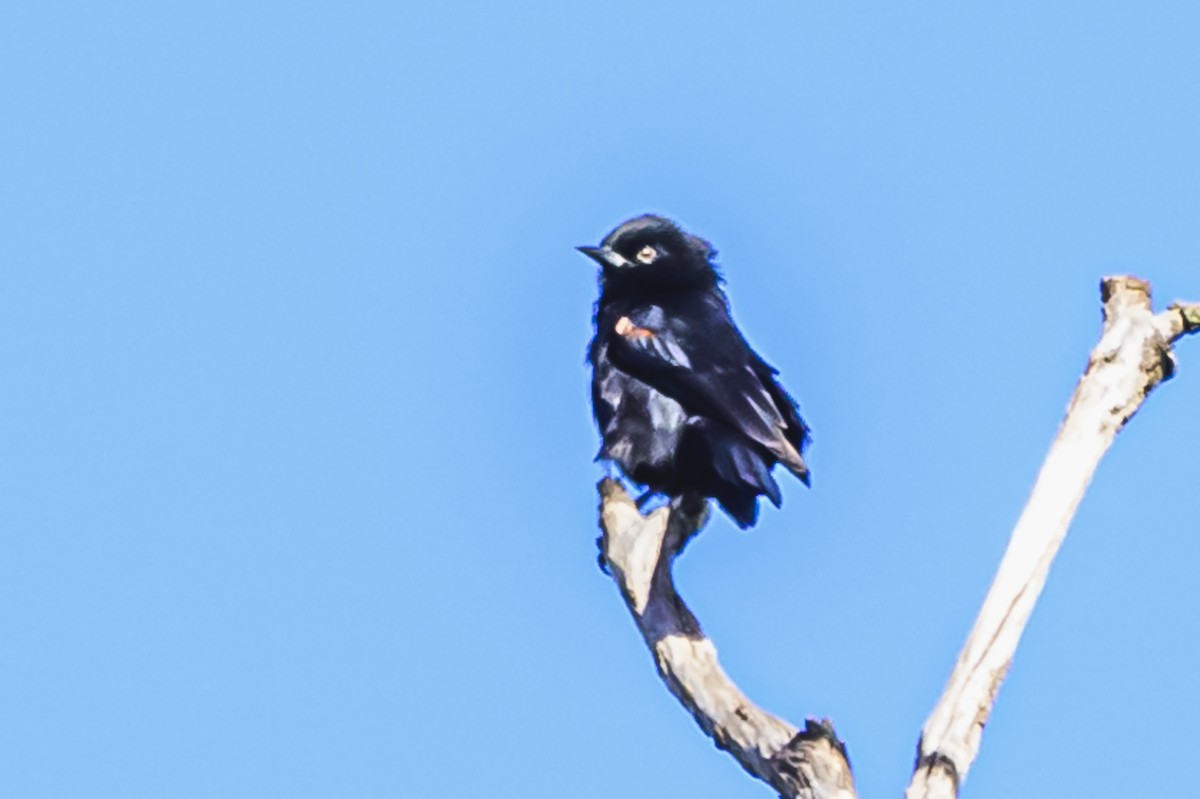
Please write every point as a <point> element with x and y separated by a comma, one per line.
<point>652,252</point>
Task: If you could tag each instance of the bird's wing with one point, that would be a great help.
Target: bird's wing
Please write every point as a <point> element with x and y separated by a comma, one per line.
<point>723,379</point>
<point>795,430</point>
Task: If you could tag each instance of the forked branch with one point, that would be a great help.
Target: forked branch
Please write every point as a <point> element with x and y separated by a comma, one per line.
<point>1132,357</point>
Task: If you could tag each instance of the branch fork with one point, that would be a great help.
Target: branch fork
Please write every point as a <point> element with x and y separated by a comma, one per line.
<point>1133,356</point>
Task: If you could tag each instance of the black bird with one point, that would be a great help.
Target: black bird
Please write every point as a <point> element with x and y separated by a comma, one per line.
<point>684,405</point>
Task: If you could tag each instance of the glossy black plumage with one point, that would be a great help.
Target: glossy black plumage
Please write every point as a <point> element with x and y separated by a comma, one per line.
<point>684,405</point>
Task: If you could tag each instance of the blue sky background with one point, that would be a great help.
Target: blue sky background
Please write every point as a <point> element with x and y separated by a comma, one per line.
<point>295,451</point>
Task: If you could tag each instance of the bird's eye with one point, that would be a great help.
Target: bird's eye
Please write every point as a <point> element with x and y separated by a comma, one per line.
<point>647,254</point>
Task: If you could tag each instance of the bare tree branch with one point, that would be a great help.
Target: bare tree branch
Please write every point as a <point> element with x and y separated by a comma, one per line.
<point>639,551</point>
<point>1179,320</point>
<point>1132,357</point>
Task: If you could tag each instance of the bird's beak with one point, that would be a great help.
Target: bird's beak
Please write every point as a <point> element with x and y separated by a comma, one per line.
<point>605,256</point>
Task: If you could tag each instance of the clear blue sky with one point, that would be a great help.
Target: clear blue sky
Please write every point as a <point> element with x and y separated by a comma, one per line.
<point>296,488</point>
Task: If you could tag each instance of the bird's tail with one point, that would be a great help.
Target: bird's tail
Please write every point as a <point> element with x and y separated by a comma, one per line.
<point>741,473</point>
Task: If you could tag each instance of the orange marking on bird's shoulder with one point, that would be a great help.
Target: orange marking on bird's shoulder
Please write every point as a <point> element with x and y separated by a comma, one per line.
<point>628,329</point>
